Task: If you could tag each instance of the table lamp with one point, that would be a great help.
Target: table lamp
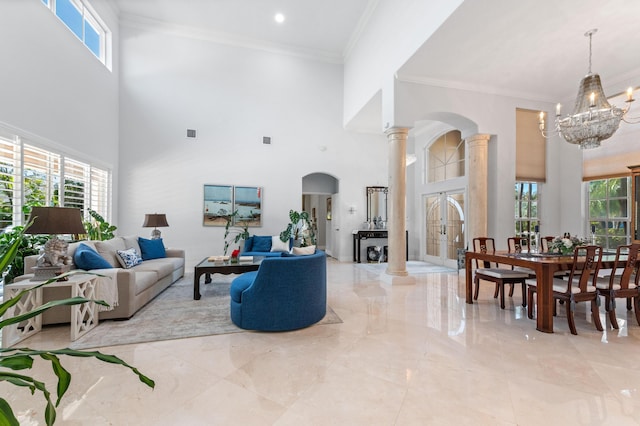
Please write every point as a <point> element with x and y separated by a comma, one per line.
<point>54,221</point>
<point>155,220</point>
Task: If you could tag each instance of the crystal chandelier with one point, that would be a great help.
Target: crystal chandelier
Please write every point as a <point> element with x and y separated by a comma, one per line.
<point>593,119</point>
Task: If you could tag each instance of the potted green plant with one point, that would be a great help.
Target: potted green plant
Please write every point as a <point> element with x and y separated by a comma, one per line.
<point>300,229</point>
<point>233,234</point>
<point>27,245</point>
<point>14,361</point>
<point>99,229</point>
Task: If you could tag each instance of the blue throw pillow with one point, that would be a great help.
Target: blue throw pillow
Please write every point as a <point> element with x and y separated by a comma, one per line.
<point>152,249</point>
<point>87,258</point>
<point>261,243</point>
<point>248,244</point>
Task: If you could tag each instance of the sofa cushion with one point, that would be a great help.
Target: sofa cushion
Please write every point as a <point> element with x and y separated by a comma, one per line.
<point>87,258</point>
<point>131,241</point>
<point>129,258</point>
<point>152,249</point>
<point>108,250</point>
<point>261,243</point>
<point>240,284</point>
<point>278,245</point>
<point>162,267</point>
<point>304,251</point>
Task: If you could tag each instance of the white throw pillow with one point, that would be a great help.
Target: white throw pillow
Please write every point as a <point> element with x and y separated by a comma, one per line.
<point>129,258</point>
<point>279,245</point>
<point>304,251</point>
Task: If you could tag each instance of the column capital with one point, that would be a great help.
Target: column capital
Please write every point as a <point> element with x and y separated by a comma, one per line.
<point>397,133</point>
<point>478,139</point>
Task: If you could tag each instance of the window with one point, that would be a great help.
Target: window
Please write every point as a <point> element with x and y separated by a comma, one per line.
<point>445,157</point>
<point>32,176</point>
<point>80,18</point>
<point>609,211</point>
<point>526,209</point>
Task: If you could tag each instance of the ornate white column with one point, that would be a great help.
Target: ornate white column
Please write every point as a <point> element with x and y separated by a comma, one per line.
<point>396,221</point>
<point>477,210</point>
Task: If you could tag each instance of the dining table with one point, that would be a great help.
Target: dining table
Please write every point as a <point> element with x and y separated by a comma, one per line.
<point>545,265</point>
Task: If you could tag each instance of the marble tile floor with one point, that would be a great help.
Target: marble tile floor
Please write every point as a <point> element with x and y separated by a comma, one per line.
<point>406,354</point>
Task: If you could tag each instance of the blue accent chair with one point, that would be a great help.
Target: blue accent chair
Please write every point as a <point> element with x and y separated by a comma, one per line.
<point>285,293</point>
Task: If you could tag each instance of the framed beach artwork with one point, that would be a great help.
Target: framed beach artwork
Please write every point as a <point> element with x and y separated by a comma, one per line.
<point>218,204</point>
<point>248,203</point>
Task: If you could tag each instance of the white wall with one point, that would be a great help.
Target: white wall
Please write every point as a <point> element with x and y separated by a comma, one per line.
<point>232,97</point>
<point>54,91</point>
<point>395,30</point>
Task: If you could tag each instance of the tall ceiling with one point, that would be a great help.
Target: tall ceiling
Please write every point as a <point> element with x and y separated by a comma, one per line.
<point>528,48</point>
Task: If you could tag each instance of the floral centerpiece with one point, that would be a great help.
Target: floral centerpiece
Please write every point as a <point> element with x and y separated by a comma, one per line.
<point>564,245</point>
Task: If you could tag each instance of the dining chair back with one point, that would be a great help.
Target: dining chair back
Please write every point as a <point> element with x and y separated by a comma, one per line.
<point>622,283</point>
<point>515,244</point>
<point>492,272</point>
<point>580,285</point>
<point>544,243</point>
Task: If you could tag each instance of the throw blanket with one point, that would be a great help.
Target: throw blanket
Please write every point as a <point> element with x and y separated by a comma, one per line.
<point>107,288</point>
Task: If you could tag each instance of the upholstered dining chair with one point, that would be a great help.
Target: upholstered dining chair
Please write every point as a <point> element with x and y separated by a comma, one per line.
<point>622,283</point>
<point>579,286</point>
<point>492,272</point>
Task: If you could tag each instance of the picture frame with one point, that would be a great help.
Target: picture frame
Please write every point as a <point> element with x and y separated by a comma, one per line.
<point>329,208</point>
<point>247,200</point>
<point>218,205</point>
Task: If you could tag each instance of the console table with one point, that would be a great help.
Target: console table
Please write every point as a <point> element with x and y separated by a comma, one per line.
<point>374,233</point>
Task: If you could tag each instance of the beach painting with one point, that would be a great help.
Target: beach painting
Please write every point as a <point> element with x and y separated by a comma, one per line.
<point>218,204</point>
<point>248,203</point>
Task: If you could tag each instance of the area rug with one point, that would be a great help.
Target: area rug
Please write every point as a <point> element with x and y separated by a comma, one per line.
<point>414,267</point>
<point>175,315</point>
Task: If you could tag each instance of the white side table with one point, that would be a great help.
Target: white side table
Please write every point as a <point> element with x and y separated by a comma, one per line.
<point>84,317</point>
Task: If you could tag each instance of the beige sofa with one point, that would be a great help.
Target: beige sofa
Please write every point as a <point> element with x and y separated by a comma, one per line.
<point>136,286</point>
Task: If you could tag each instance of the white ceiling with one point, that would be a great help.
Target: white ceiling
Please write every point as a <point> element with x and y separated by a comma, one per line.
<point>530,48</point>
<point>323,27</point>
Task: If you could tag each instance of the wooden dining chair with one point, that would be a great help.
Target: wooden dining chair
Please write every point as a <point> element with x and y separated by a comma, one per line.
<point>579,286</point>
<point>622,283</point>
<point>492,272</point>
<point>514,245</point>
<point>544,243</point>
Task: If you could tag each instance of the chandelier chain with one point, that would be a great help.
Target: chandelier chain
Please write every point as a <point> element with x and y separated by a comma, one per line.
<point>590,38</point>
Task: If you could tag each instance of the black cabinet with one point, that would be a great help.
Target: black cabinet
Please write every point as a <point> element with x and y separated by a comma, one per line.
<point>376,233</point>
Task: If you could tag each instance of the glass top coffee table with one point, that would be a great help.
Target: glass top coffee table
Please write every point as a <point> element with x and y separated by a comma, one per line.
<point>209,267</point>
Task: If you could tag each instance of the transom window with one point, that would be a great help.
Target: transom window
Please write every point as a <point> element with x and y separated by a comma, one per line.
<point>445,157</point>
<point>609,211</point>
<point>85,23</point>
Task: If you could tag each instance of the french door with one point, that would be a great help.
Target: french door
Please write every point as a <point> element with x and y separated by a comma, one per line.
<point>444,220</point>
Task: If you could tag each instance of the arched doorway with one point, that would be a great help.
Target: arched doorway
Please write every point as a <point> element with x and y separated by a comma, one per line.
<point>319,192</point>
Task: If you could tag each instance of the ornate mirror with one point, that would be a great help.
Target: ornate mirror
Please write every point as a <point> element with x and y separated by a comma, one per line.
<point>377,206</point>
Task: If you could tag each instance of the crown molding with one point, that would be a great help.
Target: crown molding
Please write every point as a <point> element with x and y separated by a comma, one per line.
<point>458,85</point>
<point>149,24</point>
<point>360,27</point>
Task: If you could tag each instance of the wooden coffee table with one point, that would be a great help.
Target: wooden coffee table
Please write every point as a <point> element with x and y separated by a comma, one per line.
<point>209,267</point>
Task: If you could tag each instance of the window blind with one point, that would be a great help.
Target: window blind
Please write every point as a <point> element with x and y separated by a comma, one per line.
<point>530,148</point>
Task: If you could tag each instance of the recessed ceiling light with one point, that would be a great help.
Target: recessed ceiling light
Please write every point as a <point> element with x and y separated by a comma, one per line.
<point>279,18</point>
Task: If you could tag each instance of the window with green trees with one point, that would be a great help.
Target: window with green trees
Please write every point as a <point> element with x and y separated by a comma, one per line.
<point>526,209</point>
<point>609,211</point>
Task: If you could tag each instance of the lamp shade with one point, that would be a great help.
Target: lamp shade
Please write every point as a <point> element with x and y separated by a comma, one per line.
<point>155,220</point>
<point>56,220</point>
